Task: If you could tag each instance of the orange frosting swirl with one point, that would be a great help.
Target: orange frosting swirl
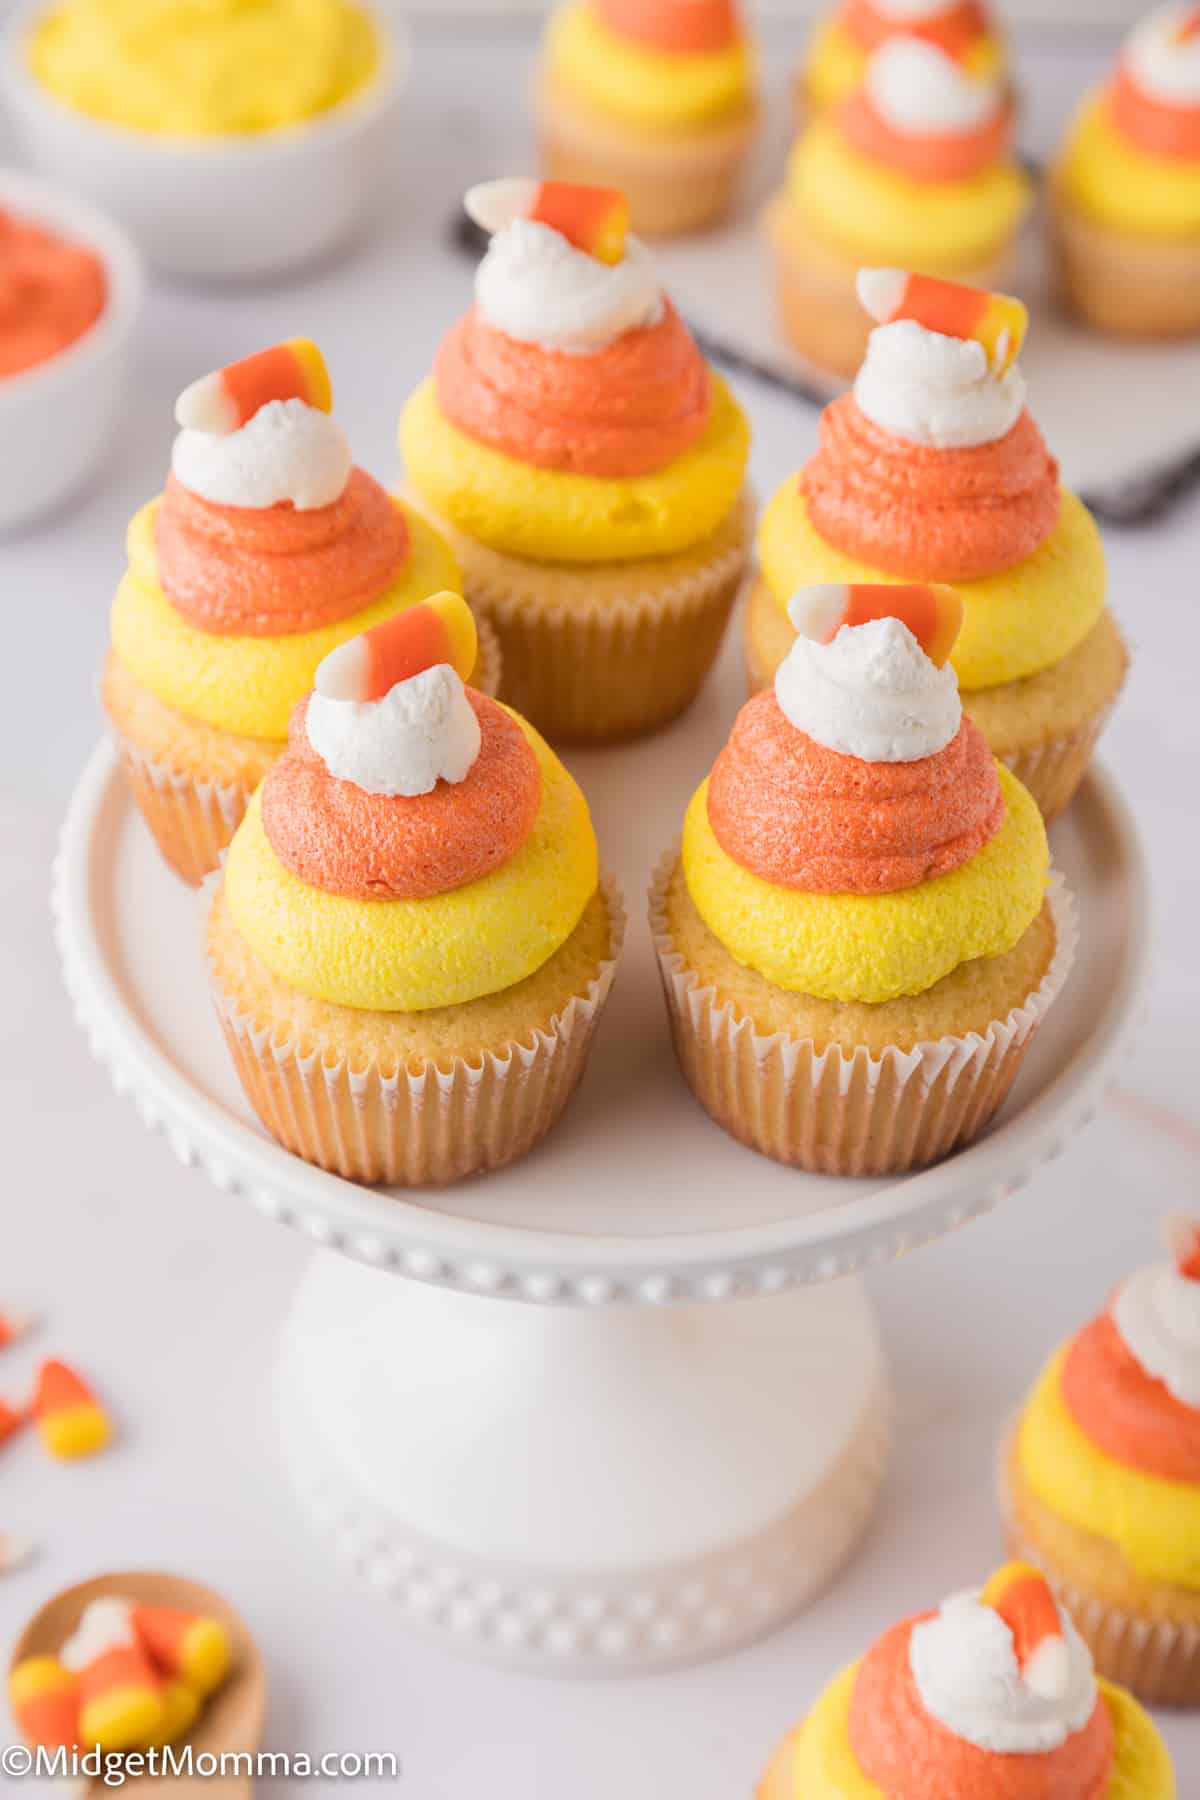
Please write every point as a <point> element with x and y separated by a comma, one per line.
<point>910,1755</point>
<point>926,514</point>
<point>1154,125</point>
<point>1125,1412</point>
<point>953,31</point>
<point>623,411</point>
<point>51,292</point>
<point>246,571</point>
<point>336,837</point>
<point>801,816</point>
<point>927,155</point>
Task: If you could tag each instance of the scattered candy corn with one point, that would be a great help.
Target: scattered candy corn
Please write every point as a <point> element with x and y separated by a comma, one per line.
<point>594,219</point>
<point>15,1552</point>
<point>1188,27</point>
<point>181,1709</point>
<point>45,1699</point>
<point>11,1420</point>
<point>687,27</point>
<point>13,1326</point>
<point>1022,1597</point>
<point>996,321</point>
<point>1183,1238</point>
<point>438,630</point>
<point>186,1646</point>
<point>934,614</point>
<point>225,400</point>
<point>121,1698</point>
<point>71,1421</point>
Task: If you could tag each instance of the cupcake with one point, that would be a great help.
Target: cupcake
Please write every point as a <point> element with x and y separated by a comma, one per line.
<point>1101,1478</point>
<point>1125,188</point>
<point>845,38</point>
<point>267,549</point>
<point>933,470</point>
<point>409,943</point>
<point>656,97</point>
<point>915,168</point>
<point>991,1697</point>
<point>586,466</point>
<point>857,942</point>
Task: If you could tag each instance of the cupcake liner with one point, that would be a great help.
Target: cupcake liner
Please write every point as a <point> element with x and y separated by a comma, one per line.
<point>838,1114</point>
<point>1121,282</point>
<point>424,1129</point>
<point>1053,770</point>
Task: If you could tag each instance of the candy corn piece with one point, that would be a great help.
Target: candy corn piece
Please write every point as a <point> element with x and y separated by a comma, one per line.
<point>45,1699</point>
<point>70,1419</point>
<point>121,1699</point>
<point>13,1325</point>
<point>438,630</point>
<point>181,1709</point>
<point>1183,1238</point>
<point>1022,1597</point>
<point>11,1420</point>
<point>226,400</point>
<point>593,219</point>
<point>996,321</point>
<point>184,1646</point>
<point>1188,27</point>
<point>15,1552</point>
<point>934,614</point>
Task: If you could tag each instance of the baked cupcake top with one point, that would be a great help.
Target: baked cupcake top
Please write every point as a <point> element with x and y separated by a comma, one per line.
<point>991,1697</point>
<point>570,415</point>
<point>267,548</point>
<point>417,845</point>
<point>1110,1437</point>
<point>843,41</point>
<point>856,840</point>
<point>932,468</point>
<point>670,65</point>
<point>1132,155</point>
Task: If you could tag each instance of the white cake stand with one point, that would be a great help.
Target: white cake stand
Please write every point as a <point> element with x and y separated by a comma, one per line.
<point>516,1404</point>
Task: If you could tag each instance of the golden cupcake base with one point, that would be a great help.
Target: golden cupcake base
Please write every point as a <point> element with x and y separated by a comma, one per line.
<point>1121,282</point>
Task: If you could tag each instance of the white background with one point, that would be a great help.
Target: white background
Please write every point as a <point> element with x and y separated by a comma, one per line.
<point>170,1294</point>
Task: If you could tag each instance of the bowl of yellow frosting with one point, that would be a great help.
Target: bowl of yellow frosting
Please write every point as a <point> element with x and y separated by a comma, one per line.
<point>232,138</point>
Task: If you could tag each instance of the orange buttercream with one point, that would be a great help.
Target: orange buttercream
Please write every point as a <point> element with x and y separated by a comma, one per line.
<point>953,31</point>
<point>265,571</point>
<point>926,156</point>
<point>932,515</point>
<point>336,837</point>
<point>1154,125</point>
<point>623,411</point>
<point>910,1755</point>
<point>1128,1414</point>
<point>51,292</point>
<point>801,816</point>
<point>683,27</point>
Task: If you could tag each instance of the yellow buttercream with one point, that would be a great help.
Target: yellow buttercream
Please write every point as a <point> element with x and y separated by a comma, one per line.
<point>1120,184</point>
<point>247,685</point>
<point>1154,1523</point>
<point>876,214</point>
<point>824,1766</point>
<point>837,62</point>
<point>872,947</point>
<point>205,69</point>
<point>408,955</point>
<point>664,90</point>
<point>1014,624</point>
<point>551,516</point>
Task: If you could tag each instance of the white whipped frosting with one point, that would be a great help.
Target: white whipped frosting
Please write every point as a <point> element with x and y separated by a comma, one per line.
<point>1162,66</point>
<point>965,1666</point>
<point>918,89</point>
<point>871,693</point>
<point>423,731</point>
<point>105,1625</point>
<point>287,451</point>
<point>536,287</point>
<point>1157,1312</point>
<point>935,390</point>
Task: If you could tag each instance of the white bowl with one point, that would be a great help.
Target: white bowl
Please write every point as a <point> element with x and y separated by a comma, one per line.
<point>214,207</point>
<point>57,419</point>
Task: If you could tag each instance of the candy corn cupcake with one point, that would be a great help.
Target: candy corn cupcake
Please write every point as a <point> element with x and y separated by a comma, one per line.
<point>267,549</point>
<point>586,466</point>
<point>933,470</point>
<point>1125,189</point>
<point>915,168</point>
<point>844,40</point>
<point>655,97</point>
<point>857,939</point>
<point>991,1697</point>
<point>410,944</point>
<point>1101,1478</point>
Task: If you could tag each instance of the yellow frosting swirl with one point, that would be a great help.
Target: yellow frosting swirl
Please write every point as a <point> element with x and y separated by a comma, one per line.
<point>409,955</point>
<point>247,685</point>
<point>873,947</point>
<point>1120,184</point>
<point>1155,1523</point>
<point>1014,624</point>
<point>664,90</point>
<point>552,516</point>
<point>837,62</point>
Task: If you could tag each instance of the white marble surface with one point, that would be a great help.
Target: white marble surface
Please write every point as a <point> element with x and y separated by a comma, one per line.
<point>170,1294</point>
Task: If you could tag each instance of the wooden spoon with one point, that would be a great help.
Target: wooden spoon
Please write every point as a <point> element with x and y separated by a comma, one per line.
<point>231,1721</point>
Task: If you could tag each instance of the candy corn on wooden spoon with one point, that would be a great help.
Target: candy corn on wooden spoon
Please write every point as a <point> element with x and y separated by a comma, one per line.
<point>230,1720</point>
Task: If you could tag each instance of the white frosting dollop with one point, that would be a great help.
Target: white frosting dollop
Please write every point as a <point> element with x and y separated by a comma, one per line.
<point>935,390</point>
<point>287,451</point>
<point>105,1624</point>
<point>871,693</point>
<point>535,286</point>
<point>1165,67</point>
<point>917,89</point>
<point>1157,1312</point>
<point>967,1674</point>
<point>423,731</point>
